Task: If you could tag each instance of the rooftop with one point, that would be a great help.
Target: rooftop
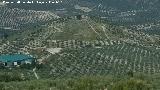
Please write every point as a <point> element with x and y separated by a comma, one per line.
<point>14,57</point>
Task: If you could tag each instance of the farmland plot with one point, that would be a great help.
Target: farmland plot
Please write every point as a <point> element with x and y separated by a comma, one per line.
<point>112,59</point>
<point>17,18</point>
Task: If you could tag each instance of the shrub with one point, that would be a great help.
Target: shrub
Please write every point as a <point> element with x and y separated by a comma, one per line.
<point>131,84</point>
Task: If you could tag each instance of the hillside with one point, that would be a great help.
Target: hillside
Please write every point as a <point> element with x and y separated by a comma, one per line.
<point>87,29</point>
<point>80,45</point>
<point>75,47</point>
<point>138,15</point>
<point>88,46</point>
<point>139,81</point>
<point>17,19</point>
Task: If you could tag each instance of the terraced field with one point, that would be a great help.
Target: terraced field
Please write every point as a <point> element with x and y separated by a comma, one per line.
<point>112,59</point>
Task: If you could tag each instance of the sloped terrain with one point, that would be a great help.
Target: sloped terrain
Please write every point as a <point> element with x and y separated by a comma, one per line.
<point>85,47</point>
<point>112,59</point>
<point>89,47</point>
<point>17,19</point>
<point>137,15</point>
<point>117,39</point>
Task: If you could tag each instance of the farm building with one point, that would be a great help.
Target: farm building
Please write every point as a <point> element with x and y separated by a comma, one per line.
<point>15,59</point>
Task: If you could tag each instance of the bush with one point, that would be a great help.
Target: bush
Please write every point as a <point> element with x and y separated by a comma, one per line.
<point>131,84</point>
<point>8,77</point>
